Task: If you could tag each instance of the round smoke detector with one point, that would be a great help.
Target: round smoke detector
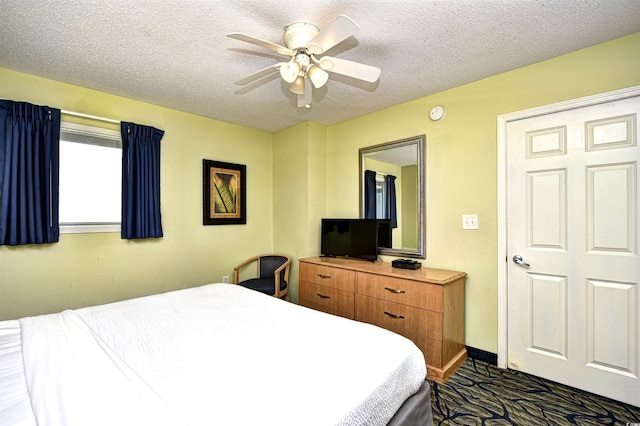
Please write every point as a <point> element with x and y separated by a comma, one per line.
<point>437,113</point>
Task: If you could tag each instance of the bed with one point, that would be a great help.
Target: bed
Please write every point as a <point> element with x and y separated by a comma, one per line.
<point>218,354</point>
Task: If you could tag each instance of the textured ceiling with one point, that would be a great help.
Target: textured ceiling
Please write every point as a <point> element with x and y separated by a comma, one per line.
<point>175,54</point>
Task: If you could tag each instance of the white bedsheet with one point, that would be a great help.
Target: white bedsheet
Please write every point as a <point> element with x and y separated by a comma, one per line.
<point>198,357</point>
<point>15,407</point>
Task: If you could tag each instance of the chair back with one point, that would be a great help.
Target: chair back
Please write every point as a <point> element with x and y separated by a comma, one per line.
<point>269,264</point>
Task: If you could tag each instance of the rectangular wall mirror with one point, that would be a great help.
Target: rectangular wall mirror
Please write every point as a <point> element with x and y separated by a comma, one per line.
<point>392,186</point>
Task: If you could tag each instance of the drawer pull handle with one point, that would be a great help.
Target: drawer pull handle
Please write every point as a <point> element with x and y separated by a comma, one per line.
<point>324,276</point>
<point>394,315</point>
<point>393,290</point>
<point>322,296</point>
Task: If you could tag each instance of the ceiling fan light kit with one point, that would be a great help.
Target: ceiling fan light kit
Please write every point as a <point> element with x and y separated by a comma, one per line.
<point>290,71</point>
<point>303,42</point>
<point>318,76</point>
<point>297,86</point>
<point>299,34</point>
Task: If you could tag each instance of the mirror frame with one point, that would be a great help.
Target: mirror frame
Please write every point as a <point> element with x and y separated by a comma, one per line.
<point>420,142</point>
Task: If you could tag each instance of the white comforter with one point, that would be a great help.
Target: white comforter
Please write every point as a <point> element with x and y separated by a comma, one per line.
<point>216,355</point>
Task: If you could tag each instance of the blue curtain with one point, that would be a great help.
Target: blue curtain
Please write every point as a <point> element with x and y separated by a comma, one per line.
<point>369,194</point>
<point>140,181</point>
<point>29,172</point>
<point>390,182</point>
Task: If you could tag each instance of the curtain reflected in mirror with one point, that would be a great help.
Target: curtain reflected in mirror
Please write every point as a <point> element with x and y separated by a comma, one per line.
<point>380,196</point>
<point>392,187</point>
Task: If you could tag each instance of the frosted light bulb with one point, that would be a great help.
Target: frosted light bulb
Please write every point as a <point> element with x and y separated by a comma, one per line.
<point>318,76</point>
<point>297,86</point>
<point>290,71</point>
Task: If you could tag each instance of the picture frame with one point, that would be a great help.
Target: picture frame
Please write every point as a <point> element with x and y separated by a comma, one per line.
<point>224,193</point>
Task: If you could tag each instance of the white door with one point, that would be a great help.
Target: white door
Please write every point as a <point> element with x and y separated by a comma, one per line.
<point>572,215</point>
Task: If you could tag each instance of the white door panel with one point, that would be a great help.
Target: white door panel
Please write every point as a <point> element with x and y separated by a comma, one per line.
<point>572,215</point>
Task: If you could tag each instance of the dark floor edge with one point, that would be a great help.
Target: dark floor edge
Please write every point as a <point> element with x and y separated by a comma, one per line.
<point>479,354</point>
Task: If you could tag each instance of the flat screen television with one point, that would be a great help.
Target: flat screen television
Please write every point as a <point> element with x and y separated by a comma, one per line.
<point>357,238</point>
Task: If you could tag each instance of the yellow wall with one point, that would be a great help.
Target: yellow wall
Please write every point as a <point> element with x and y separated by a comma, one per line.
<point>97,268</point>
<point>313,174</point>
<point>461,159</point>
<point>410,207</point>
<point>299,193</point>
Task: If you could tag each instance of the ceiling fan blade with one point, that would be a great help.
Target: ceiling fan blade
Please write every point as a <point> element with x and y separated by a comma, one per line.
<point>259,74</point>
<point>340,29</point>
<point>304,100</point>
<point>262,43</point>
<point>350,69</point>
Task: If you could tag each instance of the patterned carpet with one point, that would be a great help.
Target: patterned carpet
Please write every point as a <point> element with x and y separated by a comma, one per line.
<point>482,394</point>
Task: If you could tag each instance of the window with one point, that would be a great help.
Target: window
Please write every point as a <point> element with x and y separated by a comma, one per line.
<point>381,197</point>
<point>90,179</point>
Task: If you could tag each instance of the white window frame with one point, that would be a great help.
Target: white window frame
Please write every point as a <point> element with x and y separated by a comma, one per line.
<point>88,228</point>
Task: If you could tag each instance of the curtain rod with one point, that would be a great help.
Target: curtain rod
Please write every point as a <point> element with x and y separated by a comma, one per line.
<point>79,114</point>
<point>378,173</point>
<point>93,117</point>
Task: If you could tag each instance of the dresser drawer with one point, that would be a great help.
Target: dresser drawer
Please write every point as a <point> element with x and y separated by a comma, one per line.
<point>342,279</point>
<point>332,298</point>
<point>431,349</point>
<point>325,309</point>
<point>407,292</point>
<point>398,317</point>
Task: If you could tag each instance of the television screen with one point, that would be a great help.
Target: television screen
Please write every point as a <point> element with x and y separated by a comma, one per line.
<point>350,238</point>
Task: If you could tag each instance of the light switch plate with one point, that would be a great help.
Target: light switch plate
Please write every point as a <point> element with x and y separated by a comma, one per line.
<point>469,221</point>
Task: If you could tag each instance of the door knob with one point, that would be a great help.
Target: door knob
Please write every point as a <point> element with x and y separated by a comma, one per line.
<point>518,259</point>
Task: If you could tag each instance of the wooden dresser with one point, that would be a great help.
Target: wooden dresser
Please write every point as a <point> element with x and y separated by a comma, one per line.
<point>425,305</point>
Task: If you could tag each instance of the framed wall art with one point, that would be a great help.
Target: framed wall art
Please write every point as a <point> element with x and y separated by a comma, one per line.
<point>224,193</point>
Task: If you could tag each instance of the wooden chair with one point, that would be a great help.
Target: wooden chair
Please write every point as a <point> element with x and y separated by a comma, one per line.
<point>273,275</point>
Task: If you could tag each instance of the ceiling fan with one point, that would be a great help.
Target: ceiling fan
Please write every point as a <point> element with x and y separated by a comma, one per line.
<point>304,45</point>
